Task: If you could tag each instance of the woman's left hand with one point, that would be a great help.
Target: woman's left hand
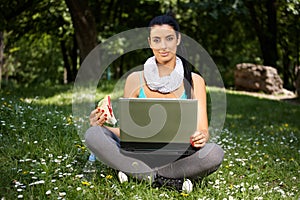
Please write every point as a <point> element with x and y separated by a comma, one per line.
<point>199,139</point>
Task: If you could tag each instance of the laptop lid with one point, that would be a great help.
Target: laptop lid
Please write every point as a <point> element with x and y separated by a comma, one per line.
<point>155,123</point>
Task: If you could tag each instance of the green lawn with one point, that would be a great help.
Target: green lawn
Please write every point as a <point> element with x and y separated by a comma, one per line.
<point>41,155</point>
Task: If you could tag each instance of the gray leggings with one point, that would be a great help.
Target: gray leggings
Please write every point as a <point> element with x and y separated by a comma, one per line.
<point>106,146</point>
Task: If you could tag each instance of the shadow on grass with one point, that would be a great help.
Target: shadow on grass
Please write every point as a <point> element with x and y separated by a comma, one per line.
<point>247,111</point>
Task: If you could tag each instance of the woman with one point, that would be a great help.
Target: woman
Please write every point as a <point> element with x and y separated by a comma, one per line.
<point>165,75</point>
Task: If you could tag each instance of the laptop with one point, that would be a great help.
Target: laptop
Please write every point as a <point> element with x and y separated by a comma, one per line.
<point>157,131</point>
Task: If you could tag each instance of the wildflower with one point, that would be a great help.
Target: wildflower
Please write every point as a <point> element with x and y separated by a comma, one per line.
<point>184,194</point>
<point>62,194</point>
<point>86,183</point>
<point>48,192</point>
<point>37,182</point>
<point>164,195</point>
<point>79,176</point>
<point>20,196</point>
<point>255,187</point>
<point>108,177</point>
<point>69,121</point>
<point>266,156</point>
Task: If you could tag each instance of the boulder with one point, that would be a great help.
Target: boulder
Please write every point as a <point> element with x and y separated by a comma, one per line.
<point>251,77</point>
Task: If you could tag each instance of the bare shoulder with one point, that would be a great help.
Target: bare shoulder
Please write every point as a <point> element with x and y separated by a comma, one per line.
<point>198,80</point>
<point>132,84</point>
<point>133,76</point>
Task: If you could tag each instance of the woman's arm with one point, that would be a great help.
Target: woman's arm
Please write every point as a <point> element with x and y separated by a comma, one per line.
<point>132,86</point>
<point>131,90</point>
<point>201,136</point>
<point>98,118</point>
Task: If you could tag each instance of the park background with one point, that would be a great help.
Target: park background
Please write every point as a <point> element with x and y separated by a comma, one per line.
<point>43,43</point>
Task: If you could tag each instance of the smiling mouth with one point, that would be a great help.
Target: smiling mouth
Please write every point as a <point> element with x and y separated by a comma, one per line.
<point>164,53</point>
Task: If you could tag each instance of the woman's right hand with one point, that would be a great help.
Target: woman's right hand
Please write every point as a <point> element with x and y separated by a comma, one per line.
<point>97,117</point>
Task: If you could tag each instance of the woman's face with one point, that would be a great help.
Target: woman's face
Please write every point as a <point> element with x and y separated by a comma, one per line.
<point>163,42</point>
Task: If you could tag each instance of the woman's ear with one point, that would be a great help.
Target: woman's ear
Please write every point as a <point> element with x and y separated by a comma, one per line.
<point>178,39</point>
<point>149,42</point>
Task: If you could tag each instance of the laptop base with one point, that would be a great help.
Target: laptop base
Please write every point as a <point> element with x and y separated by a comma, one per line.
<point>157,154</point>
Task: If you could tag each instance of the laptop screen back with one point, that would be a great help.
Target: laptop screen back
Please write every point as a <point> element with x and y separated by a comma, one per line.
<point>157,121</point>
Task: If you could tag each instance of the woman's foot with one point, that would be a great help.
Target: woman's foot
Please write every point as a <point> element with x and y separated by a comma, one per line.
<point>181,185</point>
<point>122,177</point>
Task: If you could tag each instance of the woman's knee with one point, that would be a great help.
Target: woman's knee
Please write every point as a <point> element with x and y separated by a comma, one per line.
<point>219,154</point>
<point>92,133</point>
<point>214,153</point>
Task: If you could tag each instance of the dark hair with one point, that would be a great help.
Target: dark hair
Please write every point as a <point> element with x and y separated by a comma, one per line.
<point>169,20</point>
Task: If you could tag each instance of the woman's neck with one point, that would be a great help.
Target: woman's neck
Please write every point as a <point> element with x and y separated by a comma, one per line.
<point>166,68</point>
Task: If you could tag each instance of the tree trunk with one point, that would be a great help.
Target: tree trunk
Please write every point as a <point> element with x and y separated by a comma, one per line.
<point>84,26</point>
<point>67,68</point>
<point>74,58</point>
<point>264,21</point>
<point>1,55</point>
<point>286,61</point>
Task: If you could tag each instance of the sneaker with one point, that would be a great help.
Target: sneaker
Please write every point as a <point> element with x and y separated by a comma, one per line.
<point>181,185</point>
<point>187,186</point>
<point>122,177</point>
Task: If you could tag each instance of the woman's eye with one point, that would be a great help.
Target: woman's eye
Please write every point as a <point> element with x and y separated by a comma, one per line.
<point>170,38</point>
<point>155,40</point>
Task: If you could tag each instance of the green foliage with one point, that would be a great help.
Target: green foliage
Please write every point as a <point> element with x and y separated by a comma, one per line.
<point>38,61</point>
<point>223,28</point>
<point>42,156</point>
<point>33,31</point>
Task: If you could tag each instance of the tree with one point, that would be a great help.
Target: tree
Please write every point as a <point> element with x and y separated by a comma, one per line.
<point>84,26</point>
<point>35,21</point>
<point>1,55</point>
<point>54,33</point>
<point>264,20</point>
<point>288,39</point>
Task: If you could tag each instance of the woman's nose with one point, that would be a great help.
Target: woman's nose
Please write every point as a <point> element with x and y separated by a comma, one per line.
<point>163,44</point>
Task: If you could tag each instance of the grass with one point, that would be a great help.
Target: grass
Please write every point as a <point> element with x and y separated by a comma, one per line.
<point>42,156</point>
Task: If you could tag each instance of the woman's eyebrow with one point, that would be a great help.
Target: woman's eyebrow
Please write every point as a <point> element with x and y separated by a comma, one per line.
<point>170,35</point>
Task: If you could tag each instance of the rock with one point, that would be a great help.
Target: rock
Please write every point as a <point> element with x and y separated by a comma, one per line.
<point>251,77</point>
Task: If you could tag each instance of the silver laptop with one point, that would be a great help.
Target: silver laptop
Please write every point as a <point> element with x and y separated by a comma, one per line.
<point>153,129</point>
